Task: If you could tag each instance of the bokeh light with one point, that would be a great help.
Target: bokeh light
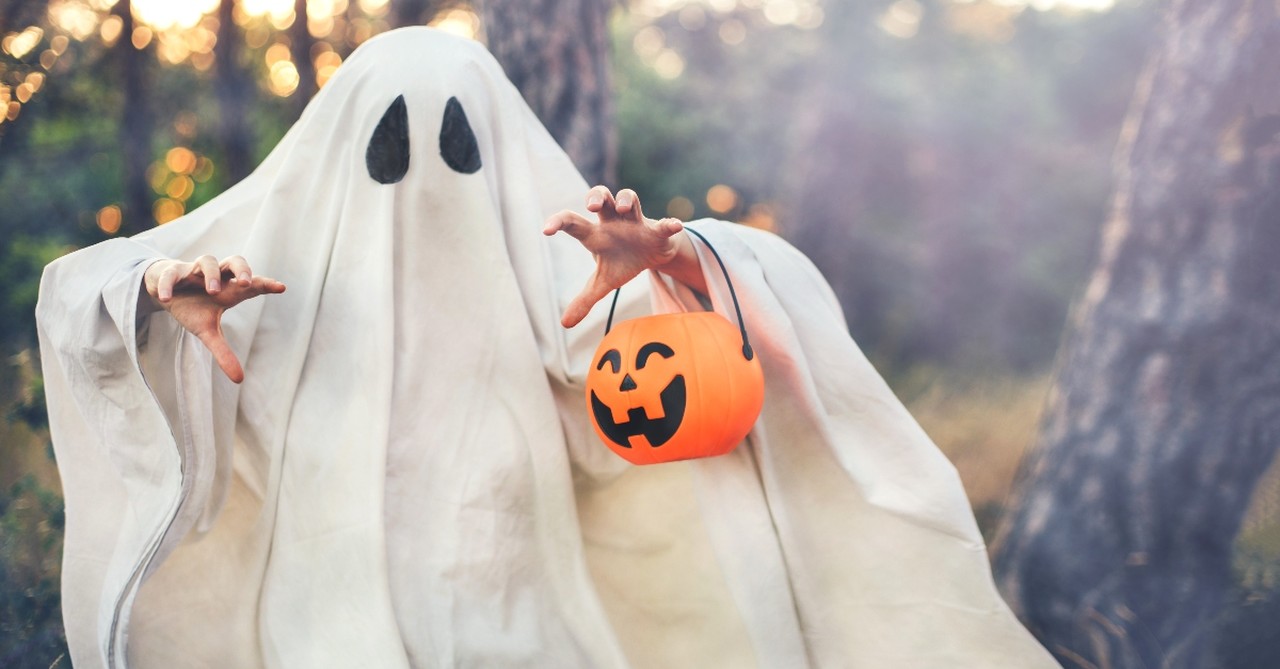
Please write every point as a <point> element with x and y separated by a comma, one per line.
<point>180,159</point>
<point>141,37</point>
<point>20,44</point>
<point>326,65</point>
<point>902,18</point>
<point>668,64</point>
<point>374,7</point>
<point>109,219</point>
<point>722,199</point>
<point>461,22</point>
<point>74,18</point>
<point>680,207</point>
<point>169,14</point>
<point>110,30</point>
<point>166,210</point>
<point>761,216</point>
<point>283,78</point>
<point>733,31</point>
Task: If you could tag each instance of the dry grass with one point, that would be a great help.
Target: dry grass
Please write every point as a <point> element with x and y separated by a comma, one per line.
<point>985,426</point>
<point>22,451</point>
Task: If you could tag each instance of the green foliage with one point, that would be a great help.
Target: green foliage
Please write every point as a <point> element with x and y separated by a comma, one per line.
<point>30,553</point>
<point>21,260</point>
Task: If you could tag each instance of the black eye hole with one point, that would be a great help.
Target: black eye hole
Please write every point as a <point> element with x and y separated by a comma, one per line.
<point>457,142</point>
<point>649,349</point>
<point>388,154</point>
<point>611,356</point>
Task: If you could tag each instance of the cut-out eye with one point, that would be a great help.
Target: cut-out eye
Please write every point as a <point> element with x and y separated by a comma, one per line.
<point>388,154</point>
<point>457,142</point>
<point>611,356</point>
<point>649,349</point>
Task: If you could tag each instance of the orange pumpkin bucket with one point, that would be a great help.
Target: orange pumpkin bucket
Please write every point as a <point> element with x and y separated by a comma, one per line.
<point>675,386</point>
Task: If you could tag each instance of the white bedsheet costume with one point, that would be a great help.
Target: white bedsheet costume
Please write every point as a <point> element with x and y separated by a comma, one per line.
<point>407,476</point>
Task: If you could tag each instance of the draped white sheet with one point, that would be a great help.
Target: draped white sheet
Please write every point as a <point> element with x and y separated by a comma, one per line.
<point>407,476</point>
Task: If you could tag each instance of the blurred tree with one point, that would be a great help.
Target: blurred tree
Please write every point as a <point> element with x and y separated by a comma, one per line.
<point>947,170</point>
<point>556,52</point>
<point>133,61</point>
<point>1166,406</point>
<point>415,12</point>
<point>301,43</point>
<point>235,95</point>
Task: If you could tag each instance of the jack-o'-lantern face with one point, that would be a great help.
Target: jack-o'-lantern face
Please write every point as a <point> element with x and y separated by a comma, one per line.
<point>673,387</point>
<point>656,430</point>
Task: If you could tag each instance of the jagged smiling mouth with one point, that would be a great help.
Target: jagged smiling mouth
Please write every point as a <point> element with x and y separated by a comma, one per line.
<point>657,431</point>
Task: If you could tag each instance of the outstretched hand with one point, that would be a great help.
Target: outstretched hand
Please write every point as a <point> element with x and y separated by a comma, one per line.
<point>197,293</point>
<point>624,244</point>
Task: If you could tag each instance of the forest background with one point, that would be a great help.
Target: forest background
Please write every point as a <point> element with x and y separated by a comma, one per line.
<point>948,164</point>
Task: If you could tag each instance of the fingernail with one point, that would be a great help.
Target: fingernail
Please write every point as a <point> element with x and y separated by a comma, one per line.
<point>215,285</point>
<point>595,199</point>
<point>245,277</point>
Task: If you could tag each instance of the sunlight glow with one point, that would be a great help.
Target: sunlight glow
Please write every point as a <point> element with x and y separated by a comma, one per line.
<point>20,44</point>
<point>171,13</point>
<point>901,19</point>
<point>326,64</point>
<point>1050,5</point>
<point>74,18</point>
<point>283,78</point>
<point>461,22</point>
<point>668,64</point>
<point>275,10</point>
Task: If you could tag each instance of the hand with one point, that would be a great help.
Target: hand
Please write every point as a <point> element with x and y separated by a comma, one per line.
<point>624,244</point>
<point>195,295</point>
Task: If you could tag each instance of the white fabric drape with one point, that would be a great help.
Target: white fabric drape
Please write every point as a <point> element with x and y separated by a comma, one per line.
<point>407,476</point>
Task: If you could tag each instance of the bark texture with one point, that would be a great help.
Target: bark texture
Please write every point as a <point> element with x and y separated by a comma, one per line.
<point>1166,409</point>
<point>556,52</point>
<point>235,89</point>
<point>135,124</point>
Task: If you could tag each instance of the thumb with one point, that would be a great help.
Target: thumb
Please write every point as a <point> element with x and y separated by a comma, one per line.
<point>222,354</point>
<point>578,309</point>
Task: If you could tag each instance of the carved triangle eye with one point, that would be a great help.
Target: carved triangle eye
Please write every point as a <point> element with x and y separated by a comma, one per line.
<point>388,154</point>
<point>457,141</point>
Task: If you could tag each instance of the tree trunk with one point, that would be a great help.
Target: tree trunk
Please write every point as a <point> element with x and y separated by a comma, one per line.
<point>135,125</point>
<point>234,88</point>
<point>414,12</point>
<point>1166,408</point>
<point>556,52</point>
<point>301,41</point>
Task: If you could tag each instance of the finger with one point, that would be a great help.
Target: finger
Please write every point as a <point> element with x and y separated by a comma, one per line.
<point>223,355</point>
<point>668,227</point>
<point>168,278</point>
<point>599,199</point>
<point>266,284</point>
<point>238,269</point>
<point>571,222</point>
<point>581,305</point>
<point>629,203</point>
<point>212,273</point>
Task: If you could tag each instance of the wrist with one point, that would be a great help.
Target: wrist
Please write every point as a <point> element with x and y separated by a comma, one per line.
<point>683,265</point>
<point>150,286</point>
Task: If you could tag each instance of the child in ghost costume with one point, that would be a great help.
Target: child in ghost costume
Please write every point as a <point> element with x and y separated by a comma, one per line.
<point>407,477</point>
